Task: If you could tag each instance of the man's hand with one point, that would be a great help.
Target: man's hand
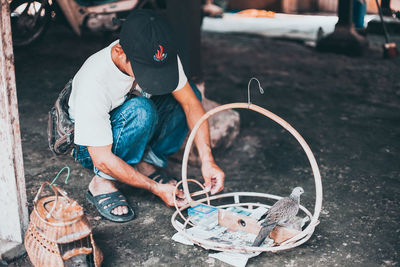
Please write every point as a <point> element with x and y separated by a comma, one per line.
<point>166,193</point>
<point>213,176</point>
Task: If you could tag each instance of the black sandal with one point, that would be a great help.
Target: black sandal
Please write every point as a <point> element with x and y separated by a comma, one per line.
<point>161,177</point>
<point>112,200</point>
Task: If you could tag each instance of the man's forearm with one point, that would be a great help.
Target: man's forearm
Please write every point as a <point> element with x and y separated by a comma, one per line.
<point>193,112</point>
<point>202,139</point>
<point>213,176</point>
<point>107,162</point>
<point>123,172</point>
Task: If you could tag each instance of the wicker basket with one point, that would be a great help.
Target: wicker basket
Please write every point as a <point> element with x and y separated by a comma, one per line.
<point>294,241</point>
<point>59,231</point>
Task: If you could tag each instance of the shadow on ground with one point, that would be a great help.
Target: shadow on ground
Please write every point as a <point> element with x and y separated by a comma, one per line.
<point>347,109</point>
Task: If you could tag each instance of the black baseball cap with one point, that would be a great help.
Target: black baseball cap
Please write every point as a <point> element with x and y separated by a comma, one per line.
<point>148,42</point>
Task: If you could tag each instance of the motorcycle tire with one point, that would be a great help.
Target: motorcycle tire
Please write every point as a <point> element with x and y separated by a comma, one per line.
<point>29,21</point>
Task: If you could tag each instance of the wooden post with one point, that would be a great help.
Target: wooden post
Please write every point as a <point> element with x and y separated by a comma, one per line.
<point>185,19</point>
<point>345,14</point>
<point>13,205</point>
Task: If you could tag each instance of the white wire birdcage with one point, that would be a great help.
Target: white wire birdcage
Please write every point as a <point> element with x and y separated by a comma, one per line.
<point>294,241</point>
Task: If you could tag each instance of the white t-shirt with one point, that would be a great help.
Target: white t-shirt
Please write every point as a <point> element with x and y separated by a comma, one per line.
<point>97,88</point>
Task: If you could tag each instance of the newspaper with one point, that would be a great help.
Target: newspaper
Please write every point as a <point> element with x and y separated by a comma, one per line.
<point>206,227</point>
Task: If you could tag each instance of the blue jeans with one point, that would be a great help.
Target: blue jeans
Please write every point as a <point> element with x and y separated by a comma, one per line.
<point>144,129</point>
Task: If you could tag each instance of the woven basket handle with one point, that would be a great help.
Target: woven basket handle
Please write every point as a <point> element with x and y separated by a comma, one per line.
<point>57,191</point>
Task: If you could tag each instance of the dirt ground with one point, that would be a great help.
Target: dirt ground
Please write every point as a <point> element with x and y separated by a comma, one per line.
<point>347,109</point>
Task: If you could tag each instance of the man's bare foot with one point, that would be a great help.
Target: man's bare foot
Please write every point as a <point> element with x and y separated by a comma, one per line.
<point>145,168</point>
<point>99,186</point>
<point>155,173</point>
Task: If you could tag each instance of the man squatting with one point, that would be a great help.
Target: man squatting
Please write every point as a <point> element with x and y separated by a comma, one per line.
<point>128,138</point>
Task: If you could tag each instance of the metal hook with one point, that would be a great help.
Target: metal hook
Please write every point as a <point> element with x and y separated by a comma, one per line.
<point>248,90</point>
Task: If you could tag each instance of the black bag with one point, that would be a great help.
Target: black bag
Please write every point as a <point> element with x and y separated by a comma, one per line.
<point>60,129</point>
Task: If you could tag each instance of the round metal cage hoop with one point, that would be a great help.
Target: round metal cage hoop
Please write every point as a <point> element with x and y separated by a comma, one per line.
<point>295,241</point>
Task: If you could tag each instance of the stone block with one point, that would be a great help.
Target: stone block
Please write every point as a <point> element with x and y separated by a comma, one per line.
<point>224,127</point>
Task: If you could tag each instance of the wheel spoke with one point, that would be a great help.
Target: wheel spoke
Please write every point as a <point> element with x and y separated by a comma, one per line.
<point>37,14</point>
<point>26,9</point>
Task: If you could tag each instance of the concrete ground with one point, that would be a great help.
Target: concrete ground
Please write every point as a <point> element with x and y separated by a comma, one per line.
<point>347,109</point>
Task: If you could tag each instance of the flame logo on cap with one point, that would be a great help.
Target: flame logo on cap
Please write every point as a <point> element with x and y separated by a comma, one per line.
<point>160,55</point>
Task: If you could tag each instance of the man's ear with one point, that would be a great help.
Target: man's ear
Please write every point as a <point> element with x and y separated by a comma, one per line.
<point>120,53</point>
<point>118,49</point>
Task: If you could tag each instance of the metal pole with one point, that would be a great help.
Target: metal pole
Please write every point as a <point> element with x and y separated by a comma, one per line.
<point>383,22</point>
<point>385,5</point>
